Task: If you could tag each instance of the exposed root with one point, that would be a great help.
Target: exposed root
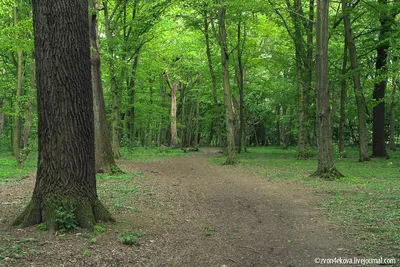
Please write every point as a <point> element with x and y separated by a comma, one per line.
<point>87,213</point>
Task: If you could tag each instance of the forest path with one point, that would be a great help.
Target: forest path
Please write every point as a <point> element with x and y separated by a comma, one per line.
<point>257,222</point>
<point>198,214</point>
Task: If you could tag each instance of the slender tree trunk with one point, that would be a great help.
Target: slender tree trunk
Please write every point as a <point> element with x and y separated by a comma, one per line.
<point>104,158</point>
<point>241,87</point>
<point>285,129</point>
<point>361,106</point>
<point>308,65</point>
<point>174,88</point>
<point>326,166</point>
<point>302,83</point>
<point>185,138</point>
<point>17,108</point>
<point>132,90</point>
<point>378,121</point>
<point>197,127</point>
<point>392,143</point>
<point>213,80</point>
<point>113,86</point>
<point>66,164</point>
<point>226,85</point>
<point>278,125</point>
<point>343,93</point>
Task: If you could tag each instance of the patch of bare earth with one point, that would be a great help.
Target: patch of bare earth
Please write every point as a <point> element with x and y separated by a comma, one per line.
<point>198,214</point>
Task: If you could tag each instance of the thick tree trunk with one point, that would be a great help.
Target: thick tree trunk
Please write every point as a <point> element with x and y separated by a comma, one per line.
<point>326,166</point>
<point>113,86</point>
<point>378,121</point>
<point>104,157</point>
<point>343,92</point>
<point>230,136</point>
<point>174,88</point>
<point>361,106</point>
<point>213,80</point>
<point>66,165</point>
<point>392,142</point>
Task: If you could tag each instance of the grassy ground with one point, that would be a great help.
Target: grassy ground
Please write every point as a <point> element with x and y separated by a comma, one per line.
<point>9,172</point>
<point>150,154</point>
<point>366,200</point>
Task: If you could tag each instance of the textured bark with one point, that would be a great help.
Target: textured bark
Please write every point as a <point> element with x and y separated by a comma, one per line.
<point>230,136</point>
<point>174,88</point>
<point>213,80</point>
<point>343,92</point>
<point>361,106</point>
<point>113,86</point>
<point>378,121</point>
<point>326,166</point>
<point>392,143</point>
<point>66,164</point>
<point>103,151</point>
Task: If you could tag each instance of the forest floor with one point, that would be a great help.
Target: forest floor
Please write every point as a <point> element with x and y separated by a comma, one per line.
<point>184,212</point>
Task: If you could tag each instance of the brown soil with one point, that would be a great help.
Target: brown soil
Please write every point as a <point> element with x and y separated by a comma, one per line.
<point>198,214</point>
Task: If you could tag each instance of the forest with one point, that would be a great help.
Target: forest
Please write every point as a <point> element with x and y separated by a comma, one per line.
<point>199,132</point>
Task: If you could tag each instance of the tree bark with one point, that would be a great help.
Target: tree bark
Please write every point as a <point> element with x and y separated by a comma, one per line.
<point>302,81</point>
<point>378,121</point>
<point>132,90</point>
<point>241,87</point>
<point>213,80</point>
<point>113,86</point>
<point>230,136</point>
<point>326,166</point>
<point>361,106</point>
<point>174,88</point>
<point>343,92</point>
<point>104,157</point>
<point>17,138</point>
<point>66,164</point>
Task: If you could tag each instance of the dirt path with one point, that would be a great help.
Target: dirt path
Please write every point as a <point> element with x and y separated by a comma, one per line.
<point>249,221</point>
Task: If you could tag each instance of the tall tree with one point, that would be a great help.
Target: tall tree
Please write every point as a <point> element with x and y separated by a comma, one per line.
<point>386,19</point>
<point>360,100</point>
<point>174,88</point>
<point>17,134</point>
<point>230,136</point>
<point>213,78</point>
<point>66,164</point>
<point>326,166</point>
<point>103,151</point>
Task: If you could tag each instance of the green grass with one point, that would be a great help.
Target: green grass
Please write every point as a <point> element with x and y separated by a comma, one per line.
<point>367,199</point>
<point>9,170</point>
<point>151,153</point>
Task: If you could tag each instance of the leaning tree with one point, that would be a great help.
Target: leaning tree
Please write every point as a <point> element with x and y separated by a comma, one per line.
<point>66,164</point>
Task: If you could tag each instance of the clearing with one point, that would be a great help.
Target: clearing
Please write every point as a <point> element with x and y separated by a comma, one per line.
<point>187,212</point>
